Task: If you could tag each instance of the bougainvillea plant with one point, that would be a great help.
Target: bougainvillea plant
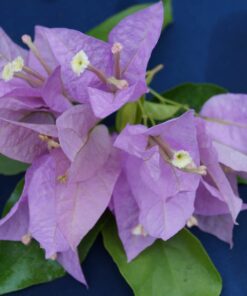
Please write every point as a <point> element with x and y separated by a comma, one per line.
<point>168,163</point>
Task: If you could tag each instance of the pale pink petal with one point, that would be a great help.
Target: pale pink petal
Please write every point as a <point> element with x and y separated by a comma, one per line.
<point>71,263</point>
<point>220,225</point>
<point>127,215</point>
<point>92,156</point>
<point>210,160</point>
<point>82,203</point>
<point>229,124</point>
<point>104,103</point>
<point>138,33</point>
<point>231,157</point>
<point>53,93</point>
<point>43,197</point>
<point>73,127</point>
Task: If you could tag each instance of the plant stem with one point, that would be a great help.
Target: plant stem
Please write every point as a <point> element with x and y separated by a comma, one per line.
<point>165,100</point>
<point>145,116</point>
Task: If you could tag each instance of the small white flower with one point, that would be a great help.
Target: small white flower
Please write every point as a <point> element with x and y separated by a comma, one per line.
<point>26,239</point>
<point>139,230</point>
<point>53,257</point>
<point>192,221</point>
<point>181,159</point>
<point>79,62</point>
<point>18,64</point>
<point>8,72</point>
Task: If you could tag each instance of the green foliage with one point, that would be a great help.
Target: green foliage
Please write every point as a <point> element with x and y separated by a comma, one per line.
<point>14,197</point>
<point>177,267</point>
<point>129,113</point>
<point>103,29</point>
<point>23,266</point>
<point>242,181</point>
<point>158,111</point>
<point>193,94</point>
<point>11,167</point>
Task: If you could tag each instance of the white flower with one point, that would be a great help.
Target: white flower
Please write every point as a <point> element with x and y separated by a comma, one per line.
<point>18,64</point>
<point>79,62</point>
<point>8,72</point>
<point>181,159</point>
<point>139,230</point>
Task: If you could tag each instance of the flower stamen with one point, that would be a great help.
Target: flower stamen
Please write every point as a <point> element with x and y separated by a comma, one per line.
<point>62,179</point>
<point>118,83</point>
<point>30,80</point>
<point>26,39</point>
<point>33,73</point>
<point>116,50</point>
<point>52,144</point>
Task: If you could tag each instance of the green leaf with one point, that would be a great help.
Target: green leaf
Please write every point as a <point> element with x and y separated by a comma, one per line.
<point>177,267</point>
<point>103,29</point>
<point>158,111</point>
<point>14,197</point>
<point>242,181</point>
<point>193,94</point>
<point>11,167</point>
<point>23,266</point>
<point>129,113</point>
<point>168,17</point>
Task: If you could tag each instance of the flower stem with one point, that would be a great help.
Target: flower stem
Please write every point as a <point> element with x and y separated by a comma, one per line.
<point>144,115</point>
<point>165,100</point>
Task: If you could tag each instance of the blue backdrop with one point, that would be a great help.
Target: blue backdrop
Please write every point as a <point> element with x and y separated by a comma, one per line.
<point>206,43</point>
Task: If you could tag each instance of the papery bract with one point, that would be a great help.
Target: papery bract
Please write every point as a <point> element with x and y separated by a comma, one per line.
<point>209,157</point>
<point>163,193</point>
<point>61,203</point>
<point>31,78</point>
<point>127,213</point>
<point>217,203</point>
<point>116,74</point>
<point>16,226</point>
<point>73,126</point>
<point>20,126</point>
<point>226,121</point>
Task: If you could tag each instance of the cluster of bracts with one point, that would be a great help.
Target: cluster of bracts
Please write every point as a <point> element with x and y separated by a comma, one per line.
<point>155,180</point>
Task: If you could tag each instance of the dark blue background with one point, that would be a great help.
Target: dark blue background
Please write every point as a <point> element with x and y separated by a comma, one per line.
<point>206,43</point>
